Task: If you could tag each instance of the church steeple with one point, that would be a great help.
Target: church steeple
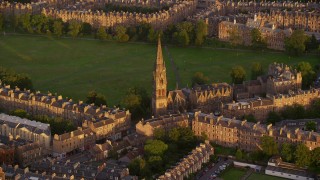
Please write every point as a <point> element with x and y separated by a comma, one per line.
<point>159,52</point>
<point>159,95</point>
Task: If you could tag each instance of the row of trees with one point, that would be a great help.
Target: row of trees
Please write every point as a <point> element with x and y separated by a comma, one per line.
<point>57,124</point>
<point>12,78</point>
<point>299,43</point>
<point>183,34</point>
<point>298,154</point>
<point>186,33</point>
<point>164,151</point>
<point>297,111</point>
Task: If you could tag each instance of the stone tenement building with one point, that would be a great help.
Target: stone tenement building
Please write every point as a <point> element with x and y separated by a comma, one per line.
<point>38,104</point>
<point>79,140</point>
<point>235,7</point>
<point>167,122</point>
<point>190,164</point>
<point>6,154</point>
<point>28,154</point>
<point>158,20</point>
<point>246,135</point>
<point>73,169</point>
<point>9,9</point>
<point>280,79</point>
<point>16,127</point>
<point>274,37</point>
<point>260,107</point>
<point>308,21</point>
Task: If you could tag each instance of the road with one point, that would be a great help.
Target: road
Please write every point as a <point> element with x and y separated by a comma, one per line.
<point>207,175</point>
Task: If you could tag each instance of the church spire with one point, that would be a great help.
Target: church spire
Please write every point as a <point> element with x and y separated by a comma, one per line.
<point>159,95</point>
<point>159,52</point>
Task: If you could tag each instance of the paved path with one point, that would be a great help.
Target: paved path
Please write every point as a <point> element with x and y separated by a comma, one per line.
<point>174,67</point>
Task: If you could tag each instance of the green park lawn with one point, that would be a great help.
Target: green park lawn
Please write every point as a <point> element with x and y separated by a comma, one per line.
<point>74,67</point>
<point>233,174</point>
<point>258,176</point>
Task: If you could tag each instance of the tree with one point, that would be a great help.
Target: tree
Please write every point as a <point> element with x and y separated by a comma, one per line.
<point>182,38</point>
<point>269,146</point>
<point>143,30</point>
<point>234,37</point>
<point>316,157</point>
<point>174,135</point>
<point>238,74</point>
<point>138,167</point>
<point>25,20</point>
<point>121,34</point>
<point>86,28</point>
<point>239,154</point>
<point>14,79</point>
<point>203,137</point>
<point>101,33</point>
<point>153,35</point>
<point>257,40</point>
<point>311,126</point>
<point>287,152</point>
<point>201,32</point>
<point>250,118</point>
<point>295,44</point>
<point>296,111</point>
<point>188,28</point>
<point>137,101</point>
<point>187,138</point>
<point>307,73</point>
<point>97,99</point>
<point>38,23</point>
<point>74,28</point>
<point>159,134</point>
<point>14,21</point>
<point>312,43</point>
<point>155,148</point>
<point>20,113</point>
<point>302,155</point>
<point>256,70</point>
<point>57,28</point>
<point>169,32</point>
<point>199,78</point>
<point>1,22</point>
<point>273,117</point>
<point>155,162</point>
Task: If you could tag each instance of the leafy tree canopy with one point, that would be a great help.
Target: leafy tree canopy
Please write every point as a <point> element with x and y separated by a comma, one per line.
<point>238,74</point>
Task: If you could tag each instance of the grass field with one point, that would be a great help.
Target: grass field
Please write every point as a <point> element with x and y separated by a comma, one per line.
<point>233,174</point>
<point>74,67</point>
<point>255,176</point>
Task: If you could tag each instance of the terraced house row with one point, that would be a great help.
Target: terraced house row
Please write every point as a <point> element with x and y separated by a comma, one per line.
<point>190,164</point>
<point>247,135</point>
<point>38,104</point>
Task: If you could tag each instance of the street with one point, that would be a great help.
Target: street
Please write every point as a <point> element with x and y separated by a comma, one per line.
<point>212,170</point>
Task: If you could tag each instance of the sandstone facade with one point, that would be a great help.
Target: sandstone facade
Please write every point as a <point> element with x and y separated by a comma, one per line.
<point>246,135</point>
<point>190,164</point>
<point>167,122</point>
<point>39,104</point>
